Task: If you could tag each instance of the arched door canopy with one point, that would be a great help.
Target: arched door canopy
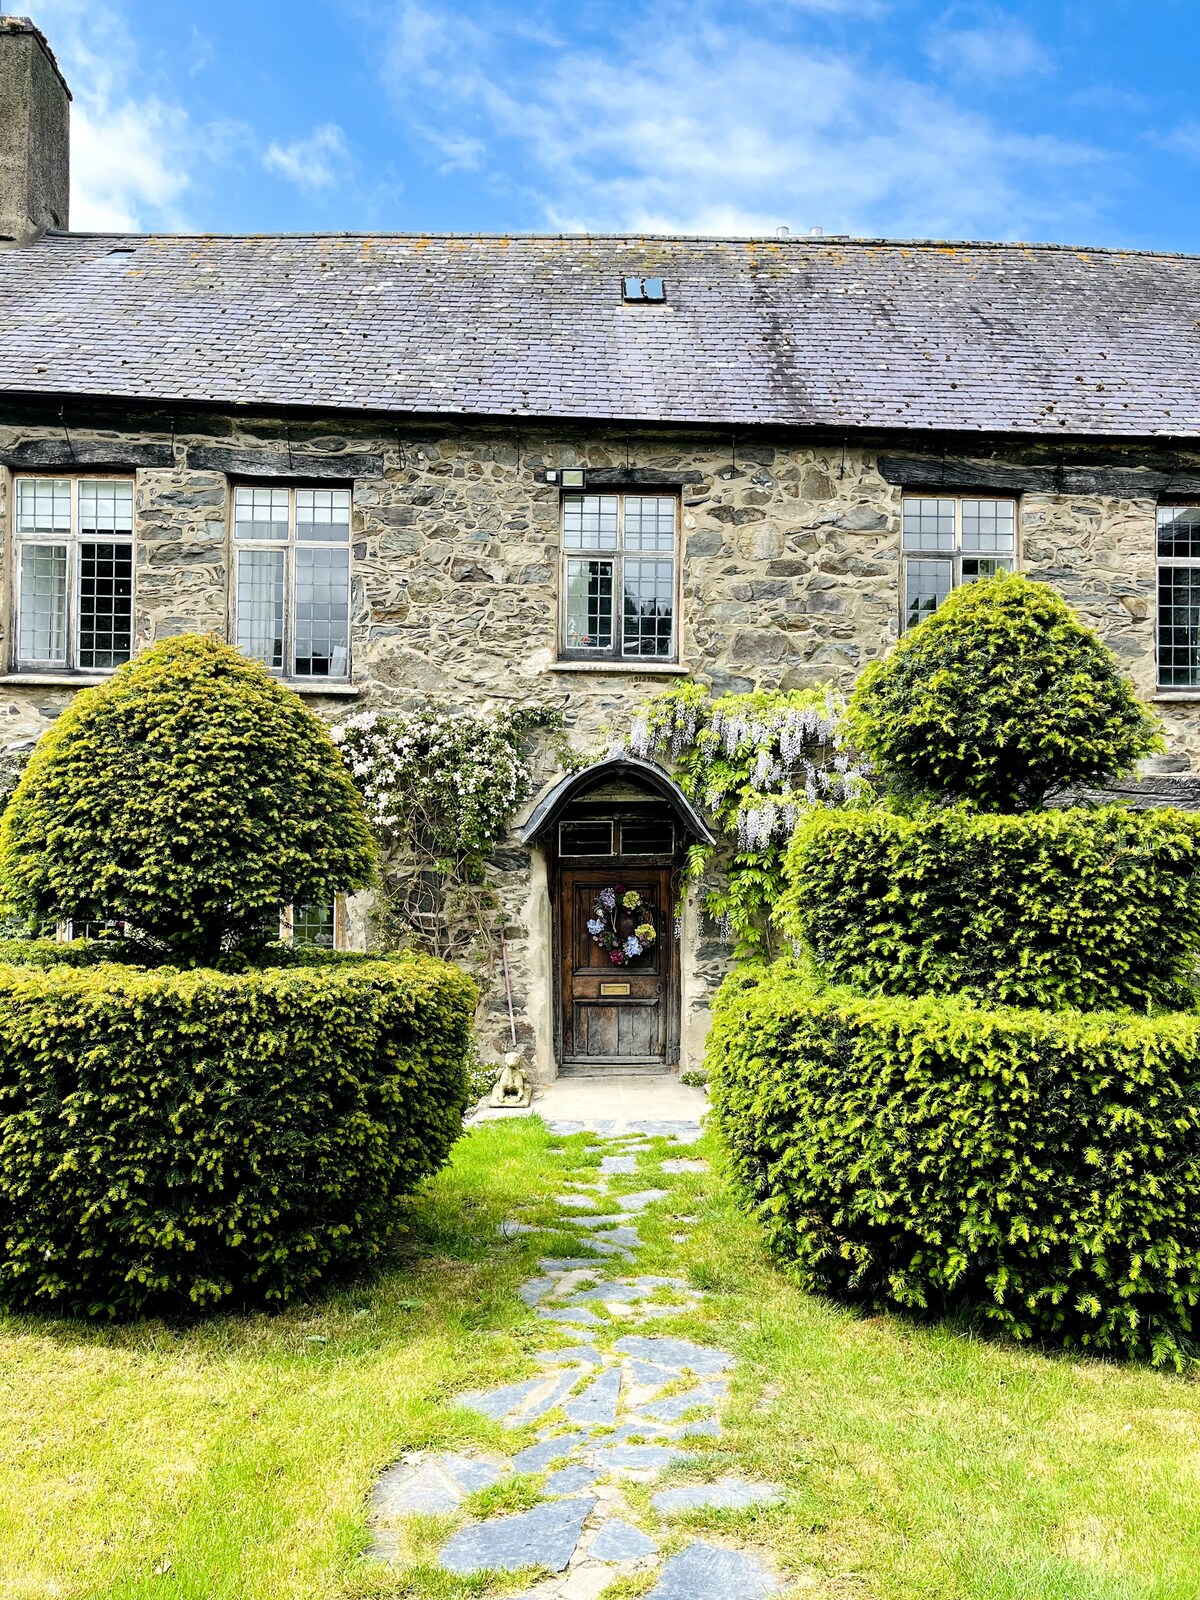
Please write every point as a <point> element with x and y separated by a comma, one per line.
<point>552,802</point>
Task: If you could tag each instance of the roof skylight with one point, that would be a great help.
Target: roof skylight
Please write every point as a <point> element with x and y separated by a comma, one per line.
<point>652,289</point>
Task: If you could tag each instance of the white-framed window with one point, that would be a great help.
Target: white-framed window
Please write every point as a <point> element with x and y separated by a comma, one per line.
<point>619,576</point>
<point>1179,597</point>
<point>72,573</point>
<point>953,539</point>
<point>292,579</point>
<point>317,927</point>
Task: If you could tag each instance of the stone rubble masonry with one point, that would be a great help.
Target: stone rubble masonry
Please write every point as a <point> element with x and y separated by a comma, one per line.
<point>790,576</point>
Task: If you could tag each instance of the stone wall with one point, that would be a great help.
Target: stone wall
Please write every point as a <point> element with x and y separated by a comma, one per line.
<point>791,576</point>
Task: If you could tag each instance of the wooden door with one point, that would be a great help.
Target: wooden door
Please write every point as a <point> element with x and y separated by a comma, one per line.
<point>614,1014</point>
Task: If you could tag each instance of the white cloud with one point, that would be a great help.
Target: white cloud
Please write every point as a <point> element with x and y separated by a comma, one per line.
<point>130,153</point>
<point>1183,140</point>
<point>717,128</point>
<point>1000,49</point>
<point>312,163</point>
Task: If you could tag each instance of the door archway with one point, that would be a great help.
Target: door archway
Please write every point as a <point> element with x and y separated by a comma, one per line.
<point>615,836</point>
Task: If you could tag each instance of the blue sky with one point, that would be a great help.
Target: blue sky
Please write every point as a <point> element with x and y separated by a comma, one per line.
<point>1074,121</point>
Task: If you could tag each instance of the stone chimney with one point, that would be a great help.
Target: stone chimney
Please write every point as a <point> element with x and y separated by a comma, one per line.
<point>35,122</point>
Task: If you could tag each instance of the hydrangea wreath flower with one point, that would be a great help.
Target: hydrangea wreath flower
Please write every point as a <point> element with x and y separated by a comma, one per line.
<point>603,924</point>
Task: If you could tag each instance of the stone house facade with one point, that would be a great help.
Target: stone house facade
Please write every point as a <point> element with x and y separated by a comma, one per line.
<point>566,472</point>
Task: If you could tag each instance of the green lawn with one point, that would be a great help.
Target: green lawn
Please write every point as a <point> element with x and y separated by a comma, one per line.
<point>232,1460</point>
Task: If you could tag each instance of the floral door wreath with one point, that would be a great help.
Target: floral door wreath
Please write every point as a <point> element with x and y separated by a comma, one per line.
<point>602,924</point>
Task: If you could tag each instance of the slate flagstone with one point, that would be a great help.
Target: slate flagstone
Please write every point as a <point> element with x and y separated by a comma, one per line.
<point>638,1201</point>
<point>596,1406</point>
<point>570,1314</point>
<point>732,1494</point>
<point>536,1290</point>
<point>710,1572</point>
<point>537,1457</point>
<point>620,1541</point>
<point>497,1403</point>
<point>678,1405</point>
<point>543,1537</point>
<point>677,1354</point>
<point>547,1402</point>
<point>570,1480</point>
<point>439,1483</point>
<point>636,1457</point>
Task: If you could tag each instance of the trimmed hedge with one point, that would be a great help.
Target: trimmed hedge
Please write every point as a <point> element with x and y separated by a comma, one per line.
<point>1040,1168</point>
<point>177,1139</point>
<point>1090,908</point>
<point>1001,697</point>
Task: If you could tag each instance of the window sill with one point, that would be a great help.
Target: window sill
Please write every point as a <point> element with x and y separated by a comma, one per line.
<point>1176,697</point>
<point>656,669</point>
<point>56,680</point>
<point>338,689</point>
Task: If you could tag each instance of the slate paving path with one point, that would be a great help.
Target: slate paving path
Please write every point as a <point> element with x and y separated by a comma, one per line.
<point>617,1424</point>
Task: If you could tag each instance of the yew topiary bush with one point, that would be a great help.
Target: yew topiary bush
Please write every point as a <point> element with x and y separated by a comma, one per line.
<point>178,1140</point>
<point>1002,697</point>
<point>1038,1171</point>
<point>1091,908</point>
<point>190,796</point>
<point>172,1136</point>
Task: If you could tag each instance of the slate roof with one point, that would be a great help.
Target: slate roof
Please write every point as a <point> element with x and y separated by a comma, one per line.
<point>794,332</point>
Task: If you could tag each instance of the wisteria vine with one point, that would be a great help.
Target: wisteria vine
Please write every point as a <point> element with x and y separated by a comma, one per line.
<point>754,763</point>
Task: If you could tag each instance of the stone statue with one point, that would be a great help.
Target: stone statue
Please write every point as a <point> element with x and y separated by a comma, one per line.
<point>512,1089</point>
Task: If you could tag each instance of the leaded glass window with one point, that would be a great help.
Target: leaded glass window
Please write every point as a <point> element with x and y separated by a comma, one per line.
<point>1179,597</point>
<point>948,540</point>
<point>619,576</point>
<point>73,587</point>
<point>292,605</point>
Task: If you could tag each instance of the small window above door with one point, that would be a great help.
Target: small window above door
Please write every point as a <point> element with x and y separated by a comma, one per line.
<point>589,837</point>
<point>647,836</point>
<point>585,838</point>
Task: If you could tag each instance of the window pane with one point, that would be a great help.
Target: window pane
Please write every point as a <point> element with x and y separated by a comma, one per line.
<point>928,524</point>
<point>649,522</point>
<point>647,838</point>
<point>983,567</point>
<point>989,525</point>
<point>260,513</point>
<point>649,608</point>
<point>42,603</point>
<point>590,521</point>
<point>105,604</point>
<point>585,838</point>
<point>322,647</point>
<point>589,605</point>
<point>105,507</point>
<point>1179,627</point>
<point>43,505</point>
<point>260,606</point>
<point>313,926</point>
<point>1179,531</point>
<point>926,585</point>
<point>323,515</point>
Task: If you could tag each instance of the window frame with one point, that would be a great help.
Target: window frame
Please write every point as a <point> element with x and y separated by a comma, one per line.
<point>286,672</point>
<point>73,539</point>
<point>1172,563</point>
<point>954,557</point>
<point>287,925</point>
<point>617,555</point>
